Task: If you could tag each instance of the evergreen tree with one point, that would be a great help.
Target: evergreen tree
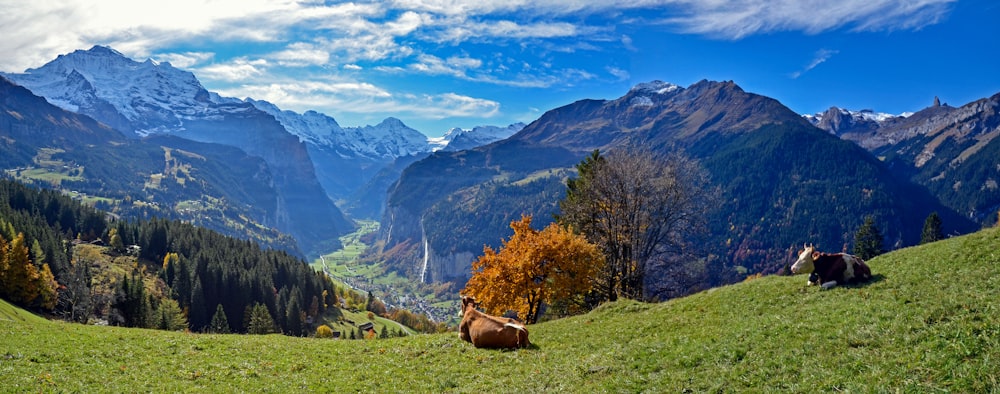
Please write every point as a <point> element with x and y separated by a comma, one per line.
<point>132,302</point>
<point>198,311</point>
<point>384,333</point>
<point>170,267</point>
<point>868,240</point>
<point>182,284</point>
<point>220,325</point>
<point>260,320</point>
<point>293,315</point>
<point>932,229</point>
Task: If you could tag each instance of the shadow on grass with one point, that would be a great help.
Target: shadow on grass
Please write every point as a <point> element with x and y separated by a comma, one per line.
<point>851,285</point>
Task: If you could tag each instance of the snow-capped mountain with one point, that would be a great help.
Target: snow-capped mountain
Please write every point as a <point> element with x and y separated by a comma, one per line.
<point>458,139</point>
<point>149,97</point>
<point>387,140</point>
<point>858,126</point>
<point>835,114</point>
<point>143,98</point>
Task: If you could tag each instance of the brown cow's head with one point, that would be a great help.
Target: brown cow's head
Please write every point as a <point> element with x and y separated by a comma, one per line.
<point>468,302</point>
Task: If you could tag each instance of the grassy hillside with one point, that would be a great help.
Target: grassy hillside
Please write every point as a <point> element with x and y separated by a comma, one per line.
<point>929,322</point>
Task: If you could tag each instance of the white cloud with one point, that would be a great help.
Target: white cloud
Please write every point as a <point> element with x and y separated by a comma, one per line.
<point>35,32</point>
<point>352,67</point>
<point>240,69</point>
<point>618,73</point>
<point>821,56</point>
<point>449,105</point>
<point>364,98</point>
<point>186,59</point>
<point>738,19</point>
<point>456,66</point>
<point>301,54</point>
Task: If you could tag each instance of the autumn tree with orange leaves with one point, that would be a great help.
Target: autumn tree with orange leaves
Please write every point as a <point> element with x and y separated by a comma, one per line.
<point>532,268</point>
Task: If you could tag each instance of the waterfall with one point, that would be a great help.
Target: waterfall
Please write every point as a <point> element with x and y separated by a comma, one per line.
<point>423,234</point>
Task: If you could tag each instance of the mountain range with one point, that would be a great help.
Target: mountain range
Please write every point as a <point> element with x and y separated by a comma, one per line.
<point>783,181</point>
<point>247,165</point>
<point>951,151</point>
<point>313,160</point>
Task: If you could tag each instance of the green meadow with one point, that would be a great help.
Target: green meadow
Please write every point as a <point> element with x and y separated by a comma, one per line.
<point>929,322</point>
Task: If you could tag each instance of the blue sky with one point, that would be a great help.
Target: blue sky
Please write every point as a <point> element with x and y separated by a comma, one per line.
<point>438,64</point>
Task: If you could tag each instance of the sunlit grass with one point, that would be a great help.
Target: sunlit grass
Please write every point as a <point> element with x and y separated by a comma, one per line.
<point>928,322</point>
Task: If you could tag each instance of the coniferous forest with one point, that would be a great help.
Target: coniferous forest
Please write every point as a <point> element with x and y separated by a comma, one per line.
<point>176,277</point>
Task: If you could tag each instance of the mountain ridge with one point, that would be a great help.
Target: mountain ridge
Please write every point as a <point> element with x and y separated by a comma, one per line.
<point>759,152</point>
<point>952,151</point>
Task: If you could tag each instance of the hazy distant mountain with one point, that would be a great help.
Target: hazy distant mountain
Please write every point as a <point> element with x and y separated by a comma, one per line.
<point>150,98</point>
<point>460,139</point>
<point>784,181</point>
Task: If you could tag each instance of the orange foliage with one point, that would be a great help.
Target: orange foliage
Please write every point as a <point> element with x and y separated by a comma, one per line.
<point>534,267</point>
<point>21,282</point>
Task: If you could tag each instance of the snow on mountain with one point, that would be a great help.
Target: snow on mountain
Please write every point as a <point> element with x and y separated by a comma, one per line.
<point>654,87</point>
<point>390,138</point>
<point>458,139</point>
<point>151,96</point>
<point>863,115</point>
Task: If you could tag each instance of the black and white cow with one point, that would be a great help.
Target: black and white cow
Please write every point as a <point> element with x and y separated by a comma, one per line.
<point>831,269</point>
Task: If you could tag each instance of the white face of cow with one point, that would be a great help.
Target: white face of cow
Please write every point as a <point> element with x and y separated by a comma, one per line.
<point>804,264</point>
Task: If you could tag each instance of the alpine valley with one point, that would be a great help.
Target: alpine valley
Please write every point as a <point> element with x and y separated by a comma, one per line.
<point>273,171</point>
<point>144,138</point>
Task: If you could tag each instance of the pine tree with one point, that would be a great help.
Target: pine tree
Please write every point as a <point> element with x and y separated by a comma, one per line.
<point>198,311</point>
<point>260,320</point>
<point>220,325</point>
<point>293,315</point>
<point>868,240</point>
<point>932,229</point>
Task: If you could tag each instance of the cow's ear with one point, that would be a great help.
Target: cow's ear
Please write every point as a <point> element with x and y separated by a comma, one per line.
<point>815,255</point>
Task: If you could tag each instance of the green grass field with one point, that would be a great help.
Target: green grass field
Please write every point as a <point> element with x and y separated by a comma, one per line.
<point>929,322</point>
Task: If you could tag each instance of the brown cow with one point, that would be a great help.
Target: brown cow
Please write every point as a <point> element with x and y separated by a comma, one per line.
<point>485,331</point>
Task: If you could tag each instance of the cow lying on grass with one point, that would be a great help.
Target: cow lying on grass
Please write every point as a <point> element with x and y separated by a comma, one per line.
<point>485,331</point>
<point>831,269</point>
